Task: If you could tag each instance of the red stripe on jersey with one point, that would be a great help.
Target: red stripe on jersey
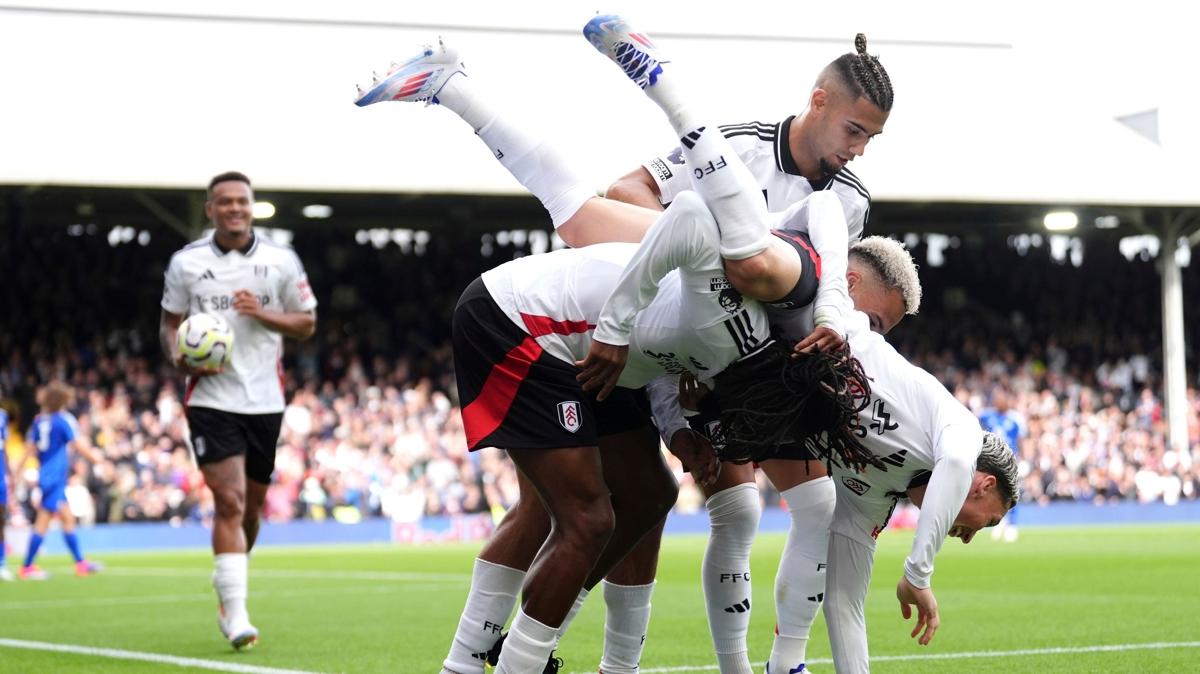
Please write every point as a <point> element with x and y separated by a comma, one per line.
<point>539,326</point>
<point>812,254</point>
<point>486,412</point>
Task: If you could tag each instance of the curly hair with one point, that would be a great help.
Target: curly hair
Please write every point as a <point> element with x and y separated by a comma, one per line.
<point>894,266</point>
<point>776,397</point>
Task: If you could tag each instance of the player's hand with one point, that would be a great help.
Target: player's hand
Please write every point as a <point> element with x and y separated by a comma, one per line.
<point>182,366</point>
<point>697,453</point>
<point>691,392</point>
<point>927,609</point>
<point>246,303</point>
<point>602,367</point>
<point>821,339</point>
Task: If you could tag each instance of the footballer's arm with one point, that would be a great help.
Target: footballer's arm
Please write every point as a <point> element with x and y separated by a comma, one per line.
<point>294,324</point>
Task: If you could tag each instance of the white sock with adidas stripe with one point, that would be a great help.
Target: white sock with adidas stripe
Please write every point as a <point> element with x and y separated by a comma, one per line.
<point>733,514</point>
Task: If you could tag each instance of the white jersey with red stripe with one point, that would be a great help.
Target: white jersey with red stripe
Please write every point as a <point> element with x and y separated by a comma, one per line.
<point>201,278</point>
<point>667,298</point>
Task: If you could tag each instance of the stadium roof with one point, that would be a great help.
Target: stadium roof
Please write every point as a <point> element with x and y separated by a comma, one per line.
<point>1030,104</point>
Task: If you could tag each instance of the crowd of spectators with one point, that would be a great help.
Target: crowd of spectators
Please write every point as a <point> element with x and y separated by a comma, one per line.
<point>372,427</point>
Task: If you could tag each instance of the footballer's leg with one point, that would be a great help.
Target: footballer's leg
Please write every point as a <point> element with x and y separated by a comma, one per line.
<point>41,524</point>
<point>800,580</point>
<point>226,479</point>
<point>5,574</point>
<point>756,264</point>
<point>643,492</point>
<point>734,507</point>
<point>496,580</point>
<point>579,216</point>
<point>846,582</point>
<point>570,482</point>
<point>83,567</point>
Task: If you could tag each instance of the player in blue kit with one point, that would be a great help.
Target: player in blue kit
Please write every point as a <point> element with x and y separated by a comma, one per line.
<point>55,433</point>
<point>1008,424</point>
<point>5,574</point>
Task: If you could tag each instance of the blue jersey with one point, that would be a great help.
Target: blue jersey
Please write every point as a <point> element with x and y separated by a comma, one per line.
<point>1004,424</point>
<point>3,438</point>
<point>51,434</point>
<point>3,460</point>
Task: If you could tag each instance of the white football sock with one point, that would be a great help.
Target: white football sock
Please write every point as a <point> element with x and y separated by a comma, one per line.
<point>725,574</point>
<point>460,95</point>
<point>493,594</point>
<point>800,581</point>
<point>579,599</point>
<point>718,175</point>
<point>231,580</point>
<point>625,626</point>
<point>534,163</point>
<point>527,647</point>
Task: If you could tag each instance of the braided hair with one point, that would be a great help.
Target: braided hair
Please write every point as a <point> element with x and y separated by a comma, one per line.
<point>777,398</point>
<point>864,75</point>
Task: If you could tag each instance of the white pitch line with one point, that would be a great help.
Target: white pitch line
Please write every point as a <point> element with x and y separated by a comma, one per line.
<point>964,655</point>
<point>148,657</point>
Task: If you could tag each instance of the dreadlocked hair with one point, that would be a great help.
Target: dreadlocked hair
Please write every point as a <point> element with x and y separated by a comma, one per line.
<point>776,398</point>
<point>864,75</point>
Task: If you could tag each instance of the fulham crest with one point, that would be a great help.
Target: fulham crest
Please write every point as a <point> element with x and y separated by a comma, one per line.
<point>568,415</point>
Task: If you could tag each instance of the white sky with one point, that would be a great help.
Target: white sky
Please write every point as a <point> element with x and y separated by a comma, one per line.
<point>1014,101</point>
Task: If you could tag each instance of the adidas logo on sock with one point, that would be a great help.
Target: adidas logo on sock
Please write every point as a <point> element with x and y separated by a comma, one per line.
<point>689,141</point>
<point>480,656</point>
<point>820,596</point>
<point>740,607</point>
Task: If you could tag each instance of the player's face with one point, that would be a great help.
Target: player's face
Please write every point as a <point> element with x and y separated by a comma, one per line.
<point>883,306</point>
<point>845,129</point>
<point>983,508</point>
<point>230,207</point>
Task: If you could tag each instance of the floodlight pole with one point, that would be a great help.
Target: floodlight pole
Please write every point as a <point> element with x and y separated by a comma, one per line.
<point>1174,346</point>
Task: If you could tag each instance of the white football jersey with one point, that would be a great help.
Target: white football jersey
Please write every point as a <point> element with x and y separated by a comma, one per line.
<point>763,148</point>
<point>667,298</point>
<point>916,427</point>
<point>202,279</point>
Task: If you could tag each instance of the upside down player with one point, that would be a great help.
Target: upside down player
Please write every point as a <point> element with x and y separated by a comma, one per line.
<point>931,431</point>
<point>686,327</point>
<point>848,105</point>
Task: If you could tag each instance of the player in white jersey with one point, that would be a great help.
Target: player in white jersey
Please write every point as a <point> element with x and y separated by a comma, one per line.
<point>848,105</point>
<point>234,415</point>
<point>934,452</point>
<point>661,339</point>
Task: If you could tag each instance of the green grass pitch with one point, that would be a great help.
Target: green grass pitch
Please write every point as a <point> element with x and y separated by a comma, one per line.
<point>1059,600</point>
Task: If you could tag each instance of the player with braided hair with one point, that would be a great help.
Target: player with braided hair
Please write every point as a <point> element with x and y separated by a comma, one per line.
<point>791,161</point>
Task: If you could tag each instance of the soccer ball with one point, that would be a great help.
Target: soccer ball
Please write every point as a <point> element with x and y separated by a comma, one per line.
<point>205,341</point>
